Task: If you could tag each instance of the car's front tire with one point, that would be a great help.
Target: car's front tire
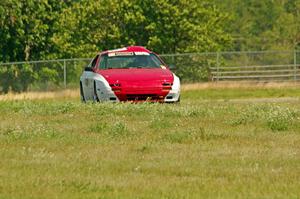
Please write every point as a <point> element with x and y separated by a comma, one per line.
<point>95,96</point>
<point>178,101</point>
<point>82,98</point>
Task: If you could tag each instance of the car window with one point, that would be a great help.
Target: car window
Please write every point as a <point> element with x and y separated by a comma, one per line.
<point>130,61</point>
<point>103,61</point>
<point>156,60</point>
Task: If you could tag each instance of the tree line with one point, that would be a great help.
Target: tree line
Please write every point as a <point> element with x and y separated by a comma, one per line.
<point>52,29</point>
<point>44,29</point>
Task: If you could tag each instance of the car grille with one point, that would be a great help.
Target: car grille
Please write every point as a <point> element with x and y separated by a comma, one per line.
<point>142,97</point>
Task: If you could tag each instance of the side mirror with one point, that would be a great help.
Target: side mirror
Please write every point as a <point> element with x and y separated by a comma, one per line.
<point>89,69</point>
<point>172,66</point>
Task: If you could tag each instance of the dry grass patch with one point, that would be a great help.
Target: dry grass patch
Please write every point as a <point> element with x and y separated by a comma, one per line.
<point>68,93</point>
<point>237,85</point>
<point>220,87</point>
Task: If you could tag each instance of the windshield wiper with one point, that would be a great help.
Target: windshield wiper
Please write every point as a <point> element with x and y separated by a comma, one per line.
<point>117,68</point>
<point>130,67</point>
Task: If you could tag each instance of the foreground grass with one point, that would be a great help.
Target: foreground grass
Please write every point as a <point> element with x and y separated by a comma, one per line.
<point>198,148</point>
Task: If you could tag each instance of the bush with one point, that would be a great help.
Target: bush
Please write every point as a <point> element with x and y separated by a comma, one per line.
<point>17,77</point>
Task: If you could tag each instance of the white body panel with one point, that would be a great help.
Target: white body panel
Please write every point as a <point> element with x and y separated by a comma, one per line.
<point>102,90</point>
<point>174,94</point>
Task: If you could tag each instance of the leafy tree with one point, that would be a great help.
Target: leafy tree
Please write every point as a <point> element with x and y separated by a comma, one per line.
<point>185,26</point>
<point>263,25</point>
<point>26,29</point>
<point>164,26</point>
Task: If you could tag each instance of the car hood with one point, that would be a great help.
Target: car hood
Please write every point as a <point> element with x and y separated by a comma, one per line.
<point>137,76</point>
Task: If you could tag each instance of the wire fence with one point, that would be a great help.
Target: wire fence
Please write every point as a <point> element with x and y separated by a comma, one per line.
<point>267,66</point>
<point>257,66</point>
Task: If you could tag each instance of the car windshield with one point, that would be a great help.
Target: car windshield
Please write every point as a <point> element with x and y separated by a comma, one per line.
<point>130,61</point>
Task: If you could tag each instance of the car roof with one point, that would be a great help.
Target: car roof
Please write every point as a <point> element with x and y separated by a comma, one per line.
<point>128,49</point>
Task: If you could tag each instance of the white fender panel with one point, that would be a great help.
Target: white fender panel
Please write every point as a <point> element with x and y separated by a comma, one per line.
<point>174,93</point>
<point>103,89</point>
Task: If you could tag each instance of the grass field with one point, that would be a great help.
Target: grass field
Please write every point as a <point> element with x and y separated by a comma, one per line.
<point>233,142</point>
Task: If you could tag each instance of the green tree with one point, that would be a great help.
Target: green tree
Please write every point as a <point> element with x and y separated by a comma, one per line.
<point>185,26</point>
<point>26,29</point>
<point>164,26</point>
<point>263,25</point>
<point>86,27</point>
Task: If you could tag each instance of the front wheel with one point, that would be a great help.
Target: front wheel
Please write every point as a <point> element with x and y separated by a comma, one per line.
<point>82,98</point>
<point>178,101</point>
<point>95,96</point>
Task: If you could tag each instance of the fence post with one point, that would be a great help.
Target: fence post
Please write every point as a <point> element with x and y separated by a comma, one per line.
<point>295,65</point>
<point>65,74</point>
<point>218,65</point>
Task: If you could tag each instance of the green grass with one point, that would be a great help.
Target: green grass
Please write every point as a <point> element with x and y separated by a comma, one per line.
<point>195,149</point>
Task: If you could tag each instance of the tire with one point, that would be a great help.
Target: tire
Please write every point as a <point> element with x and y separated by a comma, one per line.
<point>175,102</point>
<point>82,98</point>
<point>178,101</point>
<point>95,96</point>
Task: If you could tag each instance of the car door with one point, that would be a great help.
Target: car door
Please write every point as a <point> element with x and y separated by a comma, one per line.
<point>88,79</point>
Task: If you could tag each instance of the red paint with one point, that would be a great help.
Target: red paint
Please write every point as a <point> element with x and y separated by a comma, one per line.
<point>131,49</point>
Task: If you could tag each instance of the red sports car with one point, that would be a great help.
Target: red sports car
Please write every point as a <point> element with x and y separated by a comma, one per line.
<point>129,74</point>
